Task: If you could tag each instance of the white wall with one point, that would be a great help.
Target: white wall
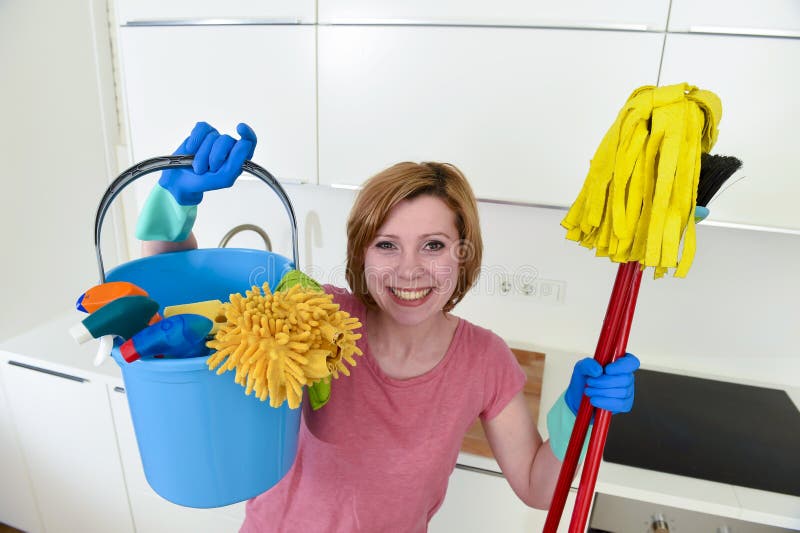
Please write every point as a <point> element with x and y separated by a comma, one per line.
<point>54,164</point>
<point>736,314</point>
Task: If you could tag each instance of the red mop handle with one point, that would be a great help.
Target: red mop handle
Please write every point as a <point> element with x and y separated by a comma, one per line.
<point>603,352</point>
<point>602,418</point>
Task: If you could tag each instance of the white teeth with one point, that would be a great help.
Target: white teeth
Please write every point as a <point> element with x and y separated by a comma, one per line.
<point>410,295</point>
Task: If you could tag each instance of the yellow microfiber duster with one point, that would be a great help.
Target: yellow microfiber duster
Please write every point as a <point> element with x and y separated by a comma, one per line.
<point>638,200</point>
<point>279,342</point>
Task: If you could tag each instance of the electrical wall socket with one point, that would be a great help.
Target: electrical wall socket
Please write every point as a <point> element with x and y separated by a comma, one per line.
<point>540,290</point>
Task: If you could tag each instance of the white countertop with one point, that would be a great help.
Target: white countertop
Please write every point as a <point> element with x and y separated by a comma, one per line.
<point>50,346</point>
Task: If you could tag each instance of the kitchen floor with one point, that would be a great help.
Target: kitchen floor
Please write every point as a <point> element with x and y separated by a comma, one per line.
<point>8,529</point>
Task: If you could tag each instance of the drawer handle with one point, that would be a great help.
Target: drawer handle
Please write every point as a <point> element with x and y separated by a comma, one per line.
<point>47,371</point>
<point>216,22</point>
<point>478,470</point>
<point>119,389</point>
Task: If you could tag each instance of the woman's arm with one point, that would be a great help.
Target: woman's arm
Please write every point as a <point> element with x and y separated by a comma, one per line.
<point>160,247</point>
<point>528,464</point>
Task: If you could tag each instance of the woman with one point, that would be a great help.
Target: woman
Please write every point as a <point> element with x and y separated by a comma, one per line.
<point>378,456</point>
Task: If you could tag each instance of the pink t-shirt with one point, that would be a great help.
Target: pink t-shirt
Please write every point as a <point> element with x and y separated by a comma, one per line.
<point>378,456</point>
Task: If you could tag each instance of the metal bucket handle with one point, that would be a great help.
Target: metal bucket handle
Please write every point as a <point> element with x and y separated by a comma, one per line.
<point>180,161</point>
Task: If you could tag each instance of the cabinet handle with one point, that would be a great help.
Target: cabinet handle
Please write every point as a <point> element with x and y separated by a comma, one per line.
<point>216,22</point>
<point>119,389</point>
<point>759,32</point>
<point>531,24</point>
<point>47,371</point>
<point>478,470</point>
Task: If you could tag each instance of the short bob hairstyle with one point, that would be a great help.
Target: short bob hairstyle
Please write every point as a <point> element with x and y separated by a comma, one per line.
<point>405,181</point>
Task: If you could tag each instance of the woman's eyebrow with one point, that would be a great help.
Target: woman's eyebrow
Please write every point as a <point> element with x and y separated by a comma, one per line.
<point>423,236</point>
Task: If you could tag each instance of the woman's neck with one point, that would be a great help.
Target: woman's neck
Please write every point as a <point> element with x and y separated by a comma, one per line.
<point>404,351</point>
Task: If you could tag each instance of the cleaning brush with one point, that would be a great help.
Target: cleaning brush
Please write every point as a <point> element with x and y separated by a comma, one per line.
<point>714,172</point>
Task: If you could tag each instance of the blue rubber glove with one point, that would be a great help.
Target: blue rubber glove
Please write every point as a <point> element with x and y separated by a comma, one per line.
<point>218,161</point>
<point>170,211</point>
<point>610,389</point>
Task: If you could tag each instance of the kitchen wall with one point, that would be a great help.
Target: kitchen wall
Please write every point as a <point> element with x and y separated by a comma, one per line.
<point>736,314</point>
<point>58,129</point>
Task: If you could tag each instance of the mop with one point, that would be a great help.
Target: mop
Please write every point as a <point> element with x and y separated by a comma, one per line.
<point>647,186</point>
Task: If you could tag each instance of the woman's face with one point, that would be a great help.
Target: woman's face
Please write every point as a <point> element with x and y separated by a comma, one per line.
<point>411,265</point>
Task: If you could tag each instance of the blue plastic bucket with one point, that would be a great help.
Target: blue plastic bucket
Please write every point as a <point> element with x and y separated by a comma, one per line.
<point>203,442</point>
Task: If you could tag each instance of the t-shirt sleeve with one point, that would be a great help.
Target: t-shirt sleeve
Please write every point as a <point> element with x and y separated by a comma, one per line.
<point>504,377</point>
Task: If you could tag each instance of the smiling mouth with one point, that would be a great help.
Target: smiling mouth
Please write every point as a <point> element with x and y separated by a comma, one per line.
<point>410,294</point>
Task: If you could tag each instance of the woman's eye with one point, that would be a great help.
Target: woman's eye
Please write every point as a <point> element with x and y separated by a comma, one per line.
<point>384,245</point>
<point>434,245</point>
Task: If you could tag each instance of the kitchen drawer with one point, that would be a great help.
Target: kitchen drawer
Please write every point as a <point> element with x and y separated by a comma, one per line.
<point>478,502</point>
<point>616,14</point>
<point>767,17</point>
<point>243,11</point>
<point>153,514</point>
<point>614,514</point>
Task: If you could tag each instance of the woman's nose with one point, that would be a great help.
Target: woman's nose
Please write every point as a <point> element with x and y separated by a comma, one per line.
<point>410,265</point>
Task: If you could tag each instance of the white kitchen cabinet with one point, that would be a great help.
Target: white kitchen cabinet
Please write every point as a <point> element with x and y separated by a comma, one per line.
<point>519,111</point>
<point>757,80</point>
<point>151,512</point>
<point>17,504</point>
<point>478,502</point>
<point>67,437</point>
<point>262,75</point>
<point>244,11</point>
<point>767,17</point>
<point>619,14</point>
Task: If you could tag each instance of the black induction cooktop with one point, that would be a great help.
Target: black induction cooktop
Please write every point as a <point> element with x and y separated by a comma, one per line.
<point>715,430</point>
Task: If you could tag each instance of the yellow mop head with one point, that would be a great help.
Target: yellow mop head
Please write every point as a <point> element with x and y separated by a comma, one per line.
<point>638,200</point>
<point>278,342</point>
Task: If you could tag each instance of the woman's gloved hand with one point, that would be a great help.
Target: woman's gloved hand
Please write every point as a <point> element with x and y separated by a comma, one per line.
<point>170,210</point>
<point>218,161</point>
<point>610,389</point>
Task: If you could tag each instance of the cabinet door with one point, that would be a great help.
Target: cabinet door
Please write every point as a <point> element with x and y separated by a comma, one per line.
<point>520,111</point>
<point>478,502</point>
<point>67,437</point>
<point>767,17</point>
<point>17,505</point>
<point>619,14</point>
<point>152,513</point>
<point>148,11</point>
<point>757,80</point>
<point>262,75</point>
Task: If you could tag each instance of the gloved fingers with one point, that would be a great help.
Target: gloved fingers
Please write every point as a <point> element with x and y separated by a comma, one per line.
<point>219,152</point>
<point>616,392</point>
<point>610,381</point>
<point>614,405</point>
<point>587,367</point>
<point>232,166</point>
<point>624,365</point>
<point>200,163</point>
<point>246,133</point>
<point>195,139</point>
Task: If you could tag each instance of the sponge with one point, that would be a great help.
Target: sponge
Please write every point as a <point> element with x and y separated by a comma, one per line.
<point>279,342</point>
